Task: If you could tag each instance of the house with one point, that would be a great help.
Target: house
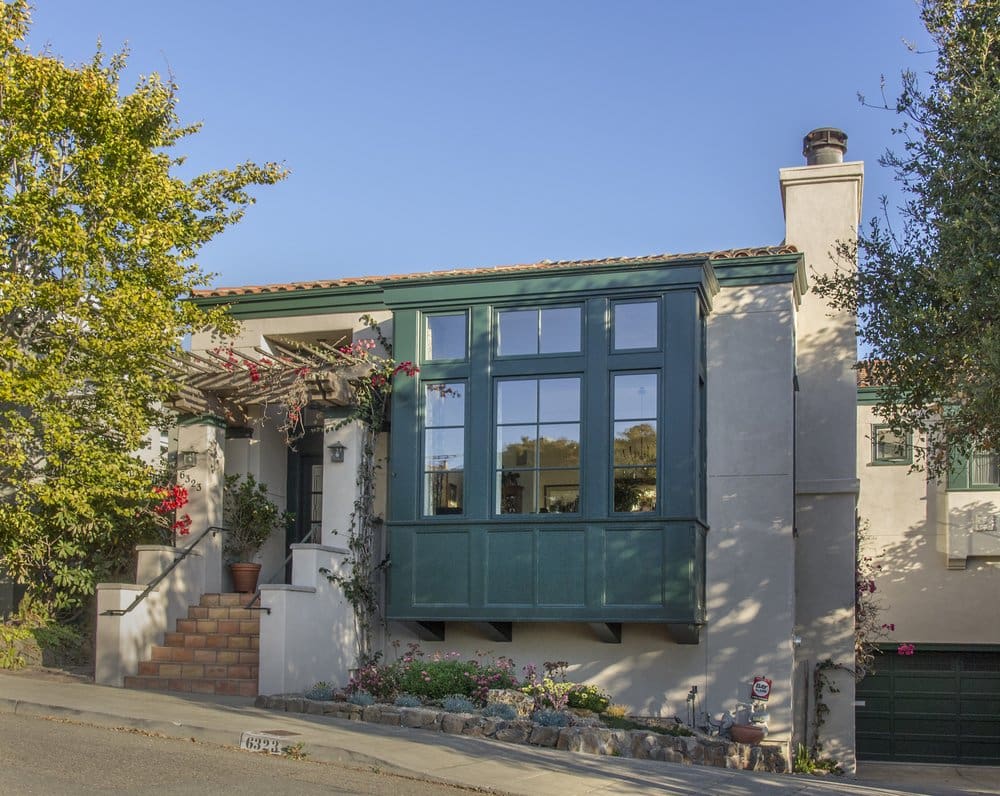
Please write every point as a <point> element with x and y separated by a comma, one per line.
<point>643,466</point>
<point>937,543</point>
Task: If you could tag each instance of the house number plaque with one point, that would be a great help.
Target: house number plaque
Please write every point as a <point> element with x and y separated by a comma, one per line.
<point>273,742</point>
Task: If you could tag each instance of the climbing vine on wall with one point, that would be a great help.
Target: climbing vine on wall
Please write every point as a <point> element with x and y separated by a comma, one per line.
<point>360,581</point>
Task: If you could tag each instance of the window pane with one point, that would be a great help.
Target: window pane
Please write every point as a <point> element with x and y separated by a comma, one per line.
<point>635,442</point>
<point>890,446</point>
<point>517,401</point>
<point>444,448</point>
<point>635,396</point>
<point>444,492</point>
<point>560,491</point>
<point>635,325</point>
<point>559,445</point>
<point>444,336</point>
<point>517,332</point>
<point>985,470</point>
<point>516,492</point>
<point>560,330</point>
<point>516,446</point>
<point>559,399</point>
<point>317,478</point>
<point>635,489</point>
<point>445,405</point>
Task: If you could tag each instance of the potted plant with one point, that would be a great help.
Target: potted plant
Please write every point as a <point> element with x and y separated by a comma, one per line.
<point>250,517</point>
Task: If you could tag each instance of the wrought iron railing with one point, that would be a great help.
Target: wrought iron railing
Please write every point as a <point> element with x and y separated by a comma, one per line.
<point>184,553</point>
<point>253,605</point>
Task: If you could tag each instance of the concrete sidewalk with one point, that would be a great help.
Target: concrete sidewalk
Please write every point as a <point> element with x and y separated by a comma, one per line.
<point>432,756</point>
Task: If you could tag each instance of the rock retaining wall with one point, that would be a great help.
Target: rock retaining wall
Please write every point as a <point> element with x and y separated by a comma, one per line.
<point>639,744</point>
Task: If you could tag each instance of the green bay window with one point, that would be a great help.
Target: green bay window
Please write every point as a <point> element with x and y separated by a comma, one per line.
<point>548,465</point>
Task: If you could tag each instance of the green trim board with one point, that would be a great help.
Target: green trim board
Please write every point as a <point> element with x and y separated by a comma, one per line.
<point>443,292</point>
<point>301,301</point>
<point>202,420</point>
<point>869,396</point>
<point>763,270</point>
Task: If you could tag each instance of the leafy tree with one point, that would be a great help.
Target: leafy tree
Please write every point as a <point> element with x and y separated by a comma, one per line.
<point>97,244</point>
<point>927,293</point>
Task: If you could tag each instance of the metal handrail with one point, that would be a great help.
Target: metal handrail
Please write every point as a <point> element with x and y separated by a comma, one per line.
<point>213,529</point>
<point>284,564</point>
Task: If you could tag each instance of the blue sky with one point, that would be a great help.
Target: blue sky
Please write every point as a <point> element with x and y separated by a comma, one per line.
<point>445,134</point>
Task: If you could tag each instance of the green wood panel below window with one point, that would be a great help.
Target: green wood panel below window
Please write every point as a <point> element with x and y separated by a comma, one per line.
<point>634,572</point>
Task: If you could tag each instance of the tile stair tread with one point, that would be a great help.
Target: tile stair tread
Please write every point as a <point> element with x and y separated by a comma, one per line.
<point>219,625</point>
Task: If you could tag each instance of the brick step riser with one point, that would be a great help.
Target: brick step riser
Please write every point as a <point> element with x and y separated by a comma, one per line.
<point>223,613</point>
<point>227,687</point>
<point>161,654</point>
<point>232,600</point>
<point>239,641</point>
<point>226,627</point>
<point>199,671</point>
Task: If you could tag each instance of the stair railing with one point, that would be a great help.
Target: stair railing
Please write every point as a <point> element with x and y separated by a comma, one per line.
<point>250,606</point>
<point>185,552</point>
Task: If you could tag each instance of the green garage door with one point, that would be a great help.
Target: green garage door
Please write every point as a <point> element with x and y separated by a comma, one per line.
<point>931,707</point>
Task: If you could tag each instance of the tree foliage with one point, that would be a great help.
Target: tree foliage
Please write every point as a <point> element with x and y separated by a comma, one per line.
<point>97,244</point>
<point>927,293</point>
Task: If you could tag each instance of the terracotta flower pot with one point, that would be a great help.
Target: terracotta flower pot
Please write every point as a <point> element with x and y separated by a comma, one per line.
<point>749,734</point>
<point>245,577</point>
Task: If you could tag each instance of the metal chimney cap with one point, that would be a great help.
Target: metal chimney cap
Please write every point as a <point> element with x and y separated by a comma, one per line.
<point>824,145</point>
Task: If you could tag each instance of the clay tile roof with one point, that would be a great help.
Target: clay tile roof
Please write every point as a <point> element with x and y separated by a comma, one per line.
<point>726,254</point>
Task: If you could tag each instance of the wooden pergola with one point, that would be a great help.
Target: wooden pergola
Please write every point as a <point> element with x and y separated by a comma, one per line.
<point>240,384</point>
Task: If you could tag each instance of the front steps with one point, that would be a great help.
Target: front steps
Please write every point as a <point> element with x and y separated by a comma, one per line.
<point>213,651</point>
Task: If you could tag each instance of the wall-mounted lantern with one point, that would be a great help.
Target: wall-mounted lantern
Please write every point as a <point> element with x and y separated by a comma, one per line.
<point>187,459</point>
<point>337,452</point>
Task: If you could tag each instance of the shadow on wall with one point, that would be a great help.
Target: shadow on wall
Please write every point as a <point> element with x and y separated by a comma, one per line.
<point>922,597</point>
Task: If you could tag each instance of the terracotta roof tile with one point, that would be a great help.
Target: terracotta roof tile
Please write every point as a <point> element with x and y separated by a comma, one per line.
<point>725,254</point>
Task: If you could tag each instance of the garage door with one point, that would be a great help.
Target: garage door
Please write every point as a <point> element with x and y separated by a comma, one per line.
<point>931,707</point>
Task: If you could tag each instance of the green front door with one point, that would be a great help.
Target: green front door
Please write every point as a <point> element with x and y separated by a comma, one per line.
<point>936,706</point>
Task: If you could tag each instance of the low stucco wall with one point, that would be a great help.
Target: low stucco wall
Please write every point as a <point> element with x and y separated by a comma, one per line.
<point>123,641</point>
<point>307,630</point>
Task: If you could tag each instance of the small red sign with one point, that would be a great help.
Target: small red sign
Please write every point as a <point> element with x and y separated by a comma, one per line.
<point>761,688</point>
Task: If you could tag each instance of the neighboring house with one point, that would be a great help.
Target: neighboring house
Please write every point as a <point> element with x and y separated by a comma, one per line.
<point>643,466</point>
<point>938,546</point>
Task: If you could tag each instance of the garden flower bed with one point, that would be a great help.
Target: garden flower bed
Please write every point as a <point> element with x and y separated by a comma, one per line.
<point>484,698</point>
<point>586,737</point>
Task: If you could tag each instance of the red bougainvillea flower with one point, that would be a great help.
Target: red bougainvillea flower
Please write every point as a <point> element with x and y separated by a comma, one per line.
<point>905,649</point>
<point>171,499</point>
<point>406,367</point>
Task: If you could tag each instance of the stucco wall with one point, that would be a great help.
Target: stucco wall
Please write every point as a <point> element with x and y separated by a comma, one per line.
<point>916,526</point>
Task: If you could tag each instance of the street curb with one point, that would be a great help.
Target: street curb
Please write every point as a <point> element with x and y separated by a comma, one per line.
<point>179,731</point>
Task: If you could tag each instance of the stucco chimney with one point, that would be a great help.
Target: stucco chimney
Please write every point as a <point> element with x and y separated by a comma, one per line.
<point>824,145</point>
<point>822,203</point>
